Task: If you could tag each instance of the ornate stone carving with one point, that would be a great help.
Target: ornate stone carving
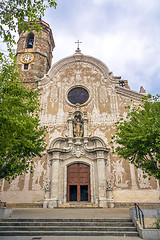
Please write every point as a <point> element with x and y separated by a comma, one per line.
<point>38,171</point>
<point>78,151</point>
<point>47,185</point>
<point>109,185</point>
<point>119,174</point>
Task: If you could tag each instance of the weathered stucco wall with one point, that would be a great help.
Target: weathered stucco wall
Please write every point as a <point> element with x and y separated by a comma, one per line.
<point>106,104</point>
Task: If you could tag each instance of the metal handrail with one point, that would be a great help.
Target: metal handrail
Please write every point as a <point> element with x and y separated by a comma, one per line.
<point>139,215</point>
<point>2,203</point>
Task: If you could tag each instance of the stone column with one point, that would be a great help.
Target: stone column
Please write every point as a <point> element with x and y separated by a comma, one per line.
<point>109,185</point>
<point>70,128</point>
<point>53,202</point>
<point>85,122</point>
<point>101,179</point>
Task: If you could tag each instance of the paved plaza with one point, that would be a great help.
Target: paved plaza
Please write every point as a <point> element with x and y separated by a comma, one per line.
<point>70,213</point>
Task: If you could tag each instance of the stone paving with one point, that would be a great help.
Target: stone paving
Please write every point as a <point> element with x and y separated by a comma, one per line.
<point>71,238</point>
<point>71,213</point>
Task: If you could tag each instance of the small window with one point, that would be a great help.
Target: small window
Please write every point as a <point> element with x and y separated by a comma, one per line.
<point>25,66</point>
<point>30,40</point>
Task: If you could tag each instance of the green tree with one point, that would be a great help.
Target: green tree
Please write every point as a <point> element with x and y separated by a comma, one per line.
<point>18,13</point>
<point>21,137</point>
<point>138,137</point>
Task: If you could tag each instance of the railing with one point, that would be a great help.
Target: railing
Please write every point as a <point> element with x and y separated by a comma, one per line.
<point>139,215</point>
<point>2,204</point>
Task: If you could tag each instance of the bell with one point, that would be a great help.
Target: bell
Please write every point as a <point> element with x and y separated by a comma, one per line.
<point>30,43</point>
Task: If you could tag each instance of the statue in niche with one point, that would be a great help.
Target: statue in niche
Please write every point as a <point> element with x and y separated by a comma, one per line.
<point>77,126</point>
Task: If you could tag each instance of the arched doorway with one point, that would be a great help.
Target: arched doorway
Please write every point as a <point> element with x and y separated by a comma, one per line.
<point>78,182</point>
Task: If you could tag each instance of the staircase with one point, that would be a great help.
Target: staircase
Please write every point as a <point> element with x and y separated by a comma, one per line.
<point>67,227</point>
<point>78,205</point>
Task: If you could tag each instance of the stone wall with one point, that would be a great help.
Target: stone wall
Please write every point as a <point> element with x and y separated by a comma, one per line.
<point>42,50</point>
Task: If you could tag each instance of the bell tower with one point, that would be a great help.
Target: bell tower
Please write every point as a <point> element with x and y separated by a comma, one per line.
<point>34,54</point>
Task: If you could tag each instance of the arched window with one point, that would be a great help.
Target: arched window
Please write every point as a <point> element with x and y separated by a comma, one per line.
<point>30,40</point>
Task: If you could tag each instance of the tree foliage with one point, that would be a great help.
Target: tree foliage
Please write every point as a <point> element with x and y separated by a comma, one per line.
<point>21,137</point>
<point>139,136</point>
<point>18,13</point>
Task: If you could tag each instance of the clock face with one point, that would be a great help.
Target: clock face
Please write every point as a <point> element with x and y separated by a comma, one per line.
<point>26,58</point>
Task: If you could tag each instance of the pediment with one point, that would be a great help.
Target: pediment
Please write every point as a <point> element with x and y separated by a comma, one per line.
<point>79,66</point>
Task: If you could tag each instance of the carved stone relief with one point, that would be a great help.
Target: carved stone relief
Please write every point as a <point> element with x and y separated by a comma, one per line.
<point>119,174</point>
<point>78,151</point>
<point>143,182</point>
<point>109,185</point>
<point>47,185</point>
<point>37,174</point>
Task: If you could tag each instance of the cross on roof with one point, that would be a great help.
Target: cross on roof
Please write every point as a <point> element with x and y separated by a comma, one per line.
<point>78,49</point>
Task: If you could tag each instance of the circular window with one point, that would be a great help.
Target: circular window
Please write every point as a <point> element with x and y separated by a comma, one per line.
<point>78,95</point>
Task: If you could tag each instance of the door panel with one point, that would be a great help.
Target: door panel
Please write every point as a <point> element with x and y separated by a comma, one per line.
<point>78,175</point>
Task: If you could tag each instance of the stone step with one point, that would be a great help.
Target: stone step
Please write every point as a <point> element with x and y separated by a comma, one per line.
<point>67,220</point>
<point>67,228</point>
<point>68,233</point>
<point>127,224</point>
<point>78,205</point>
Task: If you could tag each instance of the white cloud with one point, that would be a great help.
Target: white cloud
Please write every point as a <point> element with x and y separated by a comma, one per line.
<point>123,34</point>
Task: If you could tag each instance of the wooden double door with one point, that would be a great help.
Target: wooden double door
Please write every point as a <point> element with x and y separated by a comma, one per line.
<point>78,182</point>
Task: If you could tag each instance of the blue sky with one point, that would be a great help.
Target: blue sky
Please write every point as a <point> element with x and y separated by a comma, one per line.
<point>124,34</point>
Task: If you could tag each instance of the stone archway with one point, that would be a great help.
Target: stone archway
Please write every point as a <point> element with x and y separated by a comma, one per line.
<point>78,182</point>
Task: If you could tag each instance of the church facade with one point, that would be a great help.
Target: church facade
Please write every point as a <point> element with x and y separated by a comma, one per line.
<point>81,101</point>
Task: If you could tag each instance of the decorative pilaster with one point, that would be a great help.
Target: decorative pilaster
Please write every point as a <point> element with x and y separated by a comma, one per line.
<point>70,128</point>
<point>85,127</point>
<point>109,183</point>
<point>109,189</point>
<point>47,187</point>
<point>101,179</point>
<point>133,176</point>
<point>53,202</point>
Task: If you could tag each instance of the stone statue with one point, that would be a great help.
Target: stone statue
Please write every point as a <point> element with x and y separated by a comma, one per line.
<point>77,127</point>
